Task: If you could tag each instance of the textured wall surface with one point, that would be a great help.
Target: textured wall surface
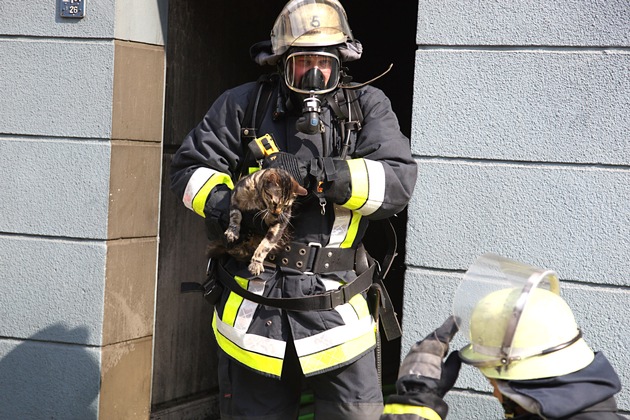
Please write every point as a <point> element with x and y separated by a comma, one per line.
<point>57,148</point>
<point>521,123</point>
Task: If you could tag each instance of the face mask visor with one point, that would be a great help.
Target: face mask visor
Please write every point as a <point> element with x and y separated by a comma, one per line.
<point>312,73</point>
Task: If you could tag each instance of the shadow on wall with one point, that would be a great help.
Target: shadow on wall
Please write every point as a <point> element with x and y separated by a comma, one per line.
<point>41,379</point>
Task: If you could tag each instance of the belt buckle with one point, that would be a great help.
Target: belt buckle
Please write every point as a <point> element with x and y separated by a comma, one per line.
<point>311,260</point>
<point>337,297</point>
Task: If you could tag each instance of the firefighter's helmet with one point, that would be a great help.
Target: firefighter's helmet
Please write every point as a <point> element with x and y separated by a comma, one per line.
<point>545,341</point>
<point>310,23</point>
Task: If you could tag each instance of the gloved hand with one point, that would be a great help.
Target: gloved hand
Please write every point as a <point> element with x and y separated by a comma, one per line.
<point>298,169</point>
<point>425,357</point>
<point>424,378</point>
<point>217,212</point>
<point>332,178</point>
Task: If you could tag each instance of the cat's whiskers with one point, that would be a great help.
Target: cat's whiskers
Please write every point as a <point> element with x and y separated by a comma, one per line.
<point>262,214</point>
<point>284,218</point>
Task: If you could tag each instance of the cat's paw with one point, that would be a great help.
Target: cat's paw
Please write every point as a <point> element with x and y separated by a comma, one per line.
<point>256,267</point>
<point>231,234</point>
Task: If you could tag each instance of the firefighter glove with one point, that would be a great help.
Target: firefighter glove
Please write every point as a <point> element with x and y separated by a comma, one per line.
<point>296,167</point>
<point>217,213</point>
<point>331,178</point>
<point>425,357</point>
<point>424,377</point>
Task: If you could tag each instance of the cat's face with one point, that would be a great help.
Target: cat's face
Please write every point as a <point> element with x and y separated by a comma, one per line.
<point>279,191</point>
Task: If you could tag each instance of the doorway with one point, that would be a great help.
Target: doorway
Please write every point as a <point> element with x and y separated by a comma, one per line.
<point>208,52</point>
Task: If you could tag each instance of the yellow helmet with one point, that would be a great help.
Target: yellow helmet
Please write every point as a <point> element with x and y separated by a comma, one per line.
<point>310,23</point>
<point>518,336</point>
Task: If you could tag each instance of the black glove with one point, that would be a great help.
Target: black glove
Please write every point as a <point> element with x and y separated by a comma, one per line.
<point>217,212</point>
<point>296,167</point>
<point>332,178</point>
<point>424,378</point>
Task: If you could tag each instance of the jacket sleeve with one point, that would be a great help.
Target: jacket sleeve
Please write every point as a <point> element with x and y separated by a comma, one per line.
<point>209,155</point>
<point>382,171</point>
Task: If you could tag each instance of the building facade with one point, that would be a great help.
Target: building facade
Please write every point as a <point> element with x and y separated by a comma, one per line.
<point>519,119</point>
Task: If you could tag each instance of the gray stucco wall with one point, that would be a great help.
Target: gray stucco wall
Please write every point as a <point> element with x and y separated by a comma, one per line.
<point>521,132</point>
<point>56,80</point>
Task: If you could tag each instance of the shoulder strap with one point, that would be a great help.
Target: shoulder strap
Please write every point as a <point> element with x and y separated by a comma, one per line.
<point>355,119</point>
<point>254,113</point>
<point>345,105</point>
<point>257,106</point>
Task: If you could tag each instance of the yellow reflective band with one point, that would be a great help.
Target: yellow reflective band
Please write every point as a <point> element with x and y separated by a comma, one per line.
<point>342,353</point>
<point>233,303</point>
<point>252,169</point>
<point>360,185</point>
<point>351,235</point>
<point>199,201</point>
<point>262,363</point>
<point>424,412</point>
<point>360,306</point>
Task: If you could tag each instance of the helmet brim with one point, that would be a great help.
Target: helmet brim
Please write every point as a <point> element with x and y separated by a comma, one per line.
<point>568,360</point>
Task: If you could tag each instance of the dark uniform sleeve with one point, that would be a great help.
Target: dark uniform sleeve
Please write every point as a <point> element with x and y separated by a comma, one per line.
<point>382,172</point>
<point>210,153</point>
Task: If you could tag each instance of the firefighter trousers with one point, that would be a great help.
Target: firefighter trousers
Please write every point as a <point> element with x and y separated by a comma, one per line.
<point>352,392</point>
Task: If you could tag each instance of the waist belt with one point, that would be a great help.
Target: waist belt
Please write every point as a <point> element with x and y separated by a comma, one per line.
<point>322,302</point>
<point>366,281</point>
<point>313,258</point>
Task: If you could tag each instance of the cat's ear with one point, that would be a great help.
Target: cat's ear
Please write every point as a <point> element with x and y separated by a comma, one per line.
<point>297,188</point>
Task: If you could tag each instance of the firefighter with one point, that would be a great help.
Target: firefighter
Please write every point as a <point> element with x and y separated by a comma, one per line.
<point>305,320</point>
<point>526,342</point>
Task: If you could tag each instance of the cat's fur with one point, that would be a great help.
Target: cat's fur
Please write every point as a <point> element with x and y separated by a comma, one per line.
<point>271,194</point>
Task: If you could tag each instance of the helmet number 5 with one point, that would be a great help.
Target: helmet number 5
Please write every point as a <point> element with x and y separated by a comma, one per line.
<point>315,23</point>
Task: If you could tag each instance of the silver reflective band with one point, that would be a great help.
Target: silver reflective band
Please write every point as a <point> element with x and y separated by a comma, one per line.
<point>506,360</point>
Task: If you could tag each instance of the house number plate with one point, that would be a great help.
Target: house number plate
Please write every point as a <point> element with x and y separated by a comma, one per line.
<point>72,8</point>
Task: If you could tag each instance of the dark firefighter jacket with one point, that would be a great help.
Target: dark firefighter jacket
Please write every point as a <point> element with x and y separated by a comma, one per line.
<point>587,394</point>
<point>380,179</point>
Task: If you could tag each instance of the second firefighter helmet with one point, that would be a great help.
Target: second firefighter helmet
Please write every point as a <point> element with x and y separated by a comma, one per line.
<point>520,328</point>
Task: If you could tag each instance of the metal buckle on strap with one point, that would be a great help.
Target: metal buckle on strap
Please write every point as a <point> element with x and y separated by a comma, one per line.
<point>313,258</point>
<point>310,258</point>
<point>337,298</point>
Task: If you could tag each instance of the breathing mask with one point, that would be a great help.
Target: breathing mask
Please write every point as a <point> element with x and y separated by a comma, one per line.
<point>311,74</point>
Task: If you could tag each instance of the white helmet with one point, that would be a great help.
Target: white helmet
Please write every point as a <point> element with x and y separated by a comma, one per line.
<point>310,23</point>
<point>525,331</point>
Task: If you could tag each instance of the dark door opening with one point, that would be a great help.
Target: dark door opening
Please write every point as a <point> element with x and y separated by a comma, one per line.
<point>208,52</point>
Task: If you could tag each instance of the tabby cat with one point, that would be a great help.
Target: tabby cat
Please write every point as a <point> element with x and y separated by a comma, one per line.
<point>270,193</point>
